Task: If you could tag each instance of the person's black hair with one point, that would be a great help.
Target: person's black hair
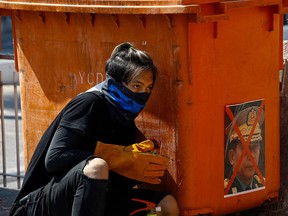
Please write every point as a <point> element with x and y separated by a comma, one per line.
<point>126,62</point>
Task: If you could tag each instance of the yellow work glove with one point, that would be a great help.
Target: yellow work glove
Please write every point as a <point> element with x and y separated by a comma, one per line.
<point>132,162</point>
<point>145,146</point>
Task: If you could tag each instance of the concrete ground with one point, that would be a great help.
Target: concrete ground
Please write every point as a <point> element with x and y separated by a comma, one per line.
<point>7,197</point>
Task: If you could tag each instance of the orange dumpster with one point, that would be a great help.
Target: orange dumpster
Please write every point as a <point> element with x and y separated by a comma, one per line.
<point>219,62</point>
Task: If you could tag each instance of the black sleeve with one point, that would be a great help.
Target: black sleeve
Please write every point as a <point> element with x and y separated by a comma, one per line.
<point>74,140</point>
<point>81,112</point>
<point>64,151</point>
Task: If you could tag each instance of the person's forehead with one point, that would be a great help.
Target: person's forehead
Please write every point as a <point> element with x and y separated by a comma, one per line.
<point>145,75</point>
<point>254,143</point>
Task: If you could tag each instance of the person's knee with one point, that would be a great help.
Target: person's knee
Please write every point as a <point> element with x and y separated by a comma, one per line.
<point>169,206</point>
<point>96,168</point>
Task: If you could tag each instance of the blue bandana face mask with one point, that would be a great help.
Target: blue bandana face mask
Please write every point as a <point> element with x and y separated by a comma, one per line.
<point>128,100</point>
<point>123,98</point>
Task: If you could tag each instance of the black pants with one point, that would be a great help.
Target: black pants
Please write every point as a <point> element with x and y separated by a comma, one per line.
<point>74,194</point>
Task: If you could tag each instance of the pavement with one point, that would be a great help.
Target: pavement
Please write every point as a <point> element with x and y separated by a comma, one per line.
<point>7,197</point>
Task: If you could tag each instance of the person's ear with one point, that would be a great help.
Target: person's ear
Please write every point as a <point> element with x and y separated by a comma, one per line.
<point>231,157</point>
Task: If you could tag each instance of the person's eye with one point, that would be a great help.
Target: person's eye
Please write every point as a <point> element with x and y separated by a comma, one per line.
<point>149,88</point>
<point>136,86</point>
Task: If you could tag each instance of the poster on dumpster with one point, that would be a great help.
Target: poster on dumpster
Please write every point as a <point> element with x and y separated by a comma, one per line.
<point>244,148</point>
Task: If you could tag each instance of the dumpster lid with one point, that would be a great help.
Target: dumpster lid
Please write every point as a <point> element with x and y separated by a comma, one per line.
<point>102,6</point>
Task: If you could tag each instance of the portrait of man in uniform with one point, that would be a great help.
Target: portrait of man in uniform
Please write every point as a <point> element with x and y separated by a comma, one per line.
<point>244,166</point>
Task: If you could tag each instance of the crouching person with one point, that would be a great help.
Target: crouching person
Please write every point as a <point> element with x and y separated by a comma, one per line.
<point>92,156</point>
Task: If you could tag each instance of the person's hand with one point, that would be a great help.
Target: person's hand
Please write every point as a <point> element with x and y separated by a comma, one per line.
<point>133,163</point>
<point>144,146</point>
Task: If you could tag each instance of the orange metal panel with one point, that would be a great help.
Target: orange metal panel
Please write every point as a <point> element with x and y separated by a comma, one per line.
<point>103,7</point>
<point>239,64</point>
<point>56,65</point>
